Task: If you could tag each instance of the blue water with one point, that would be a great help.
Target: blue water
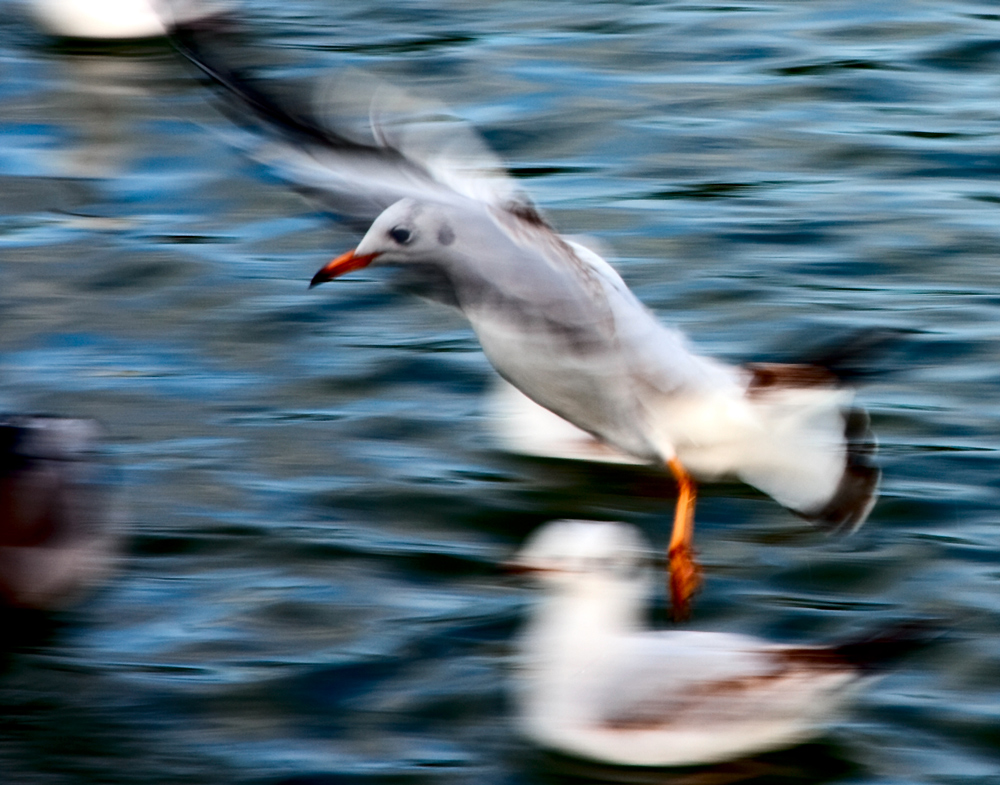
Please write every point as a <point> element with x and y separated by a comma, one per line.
<point>311,592</point>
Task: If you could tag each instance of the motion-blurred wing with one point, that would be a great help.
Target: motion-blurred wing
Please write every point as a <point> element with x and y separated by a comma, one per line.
<point>358,145</point>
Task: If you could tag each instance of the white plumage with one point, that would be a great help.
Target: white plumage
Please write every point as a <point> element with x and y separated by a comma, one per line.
<point>553,317</point>
<point>593,681</point>
<point>98,19</point>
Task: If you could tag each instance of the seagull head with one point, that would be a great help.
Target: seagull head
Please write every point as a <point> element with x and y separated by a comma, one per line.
<point>406,232</point>
<point>567,555</point>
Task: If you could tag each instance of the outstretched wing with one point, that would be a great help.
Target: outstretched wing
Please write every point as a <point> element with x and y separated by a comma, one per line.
<point>357,145</point>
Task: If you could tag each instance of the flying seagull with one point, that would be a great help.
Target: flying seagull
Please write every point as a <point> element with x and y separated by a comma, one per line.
<point>553,317</point>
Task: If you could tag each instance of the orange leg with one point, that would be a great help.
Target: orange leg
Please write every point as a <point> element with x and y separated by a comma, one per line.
<point>685,574</point>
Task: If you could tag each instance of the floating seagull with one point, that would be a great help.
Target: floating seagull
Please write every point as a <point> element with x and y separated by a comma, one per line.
<point>117,20</point>
<point>59,526</point>
<point>555,319</point>
<point>592,681</point>
<point>97,19</point>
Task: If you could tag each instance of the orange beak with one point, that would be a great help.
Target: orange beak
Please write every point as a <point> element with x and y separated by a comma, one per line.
<point>341,265</point>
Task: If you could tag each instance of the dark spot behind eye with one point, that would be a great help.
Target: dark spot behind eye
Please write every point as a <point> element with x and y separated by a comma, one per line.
<point>401,235</point>
<point>446,235</point>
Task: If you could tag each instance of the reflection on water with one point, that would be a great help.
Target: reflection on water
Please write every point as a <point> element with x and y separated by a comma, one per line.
<point>317,506</point>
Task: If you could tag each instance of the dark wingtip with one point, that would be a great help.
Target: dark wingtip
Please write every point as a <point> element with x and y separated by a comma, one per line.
<point>215,44</point>
<point>878,651</point>
<point>858,489</point>
<point>873,652</point>
<point>859,354</point>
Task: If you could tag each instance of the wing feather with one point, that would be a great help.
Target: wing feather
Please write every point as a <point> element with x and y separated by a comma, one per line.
<point>358,145</point>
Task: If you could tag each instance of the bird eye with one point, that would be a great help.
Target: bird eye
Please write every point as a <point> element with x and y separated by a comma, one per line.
<point>401,235</point>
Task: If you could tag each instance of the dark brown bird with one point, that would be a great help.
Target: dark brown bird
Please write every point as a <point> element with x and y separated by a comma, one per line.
<point>59,522</point>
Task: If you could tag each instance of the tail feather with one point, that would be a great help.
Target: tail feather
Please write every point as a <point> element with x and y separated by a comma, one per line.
<point>819,459</point>
<point>857,491</point>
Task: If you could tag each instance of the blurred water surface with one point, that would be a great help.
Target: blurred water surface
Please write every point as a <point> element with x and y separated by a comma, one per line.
<point>312,594</point>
